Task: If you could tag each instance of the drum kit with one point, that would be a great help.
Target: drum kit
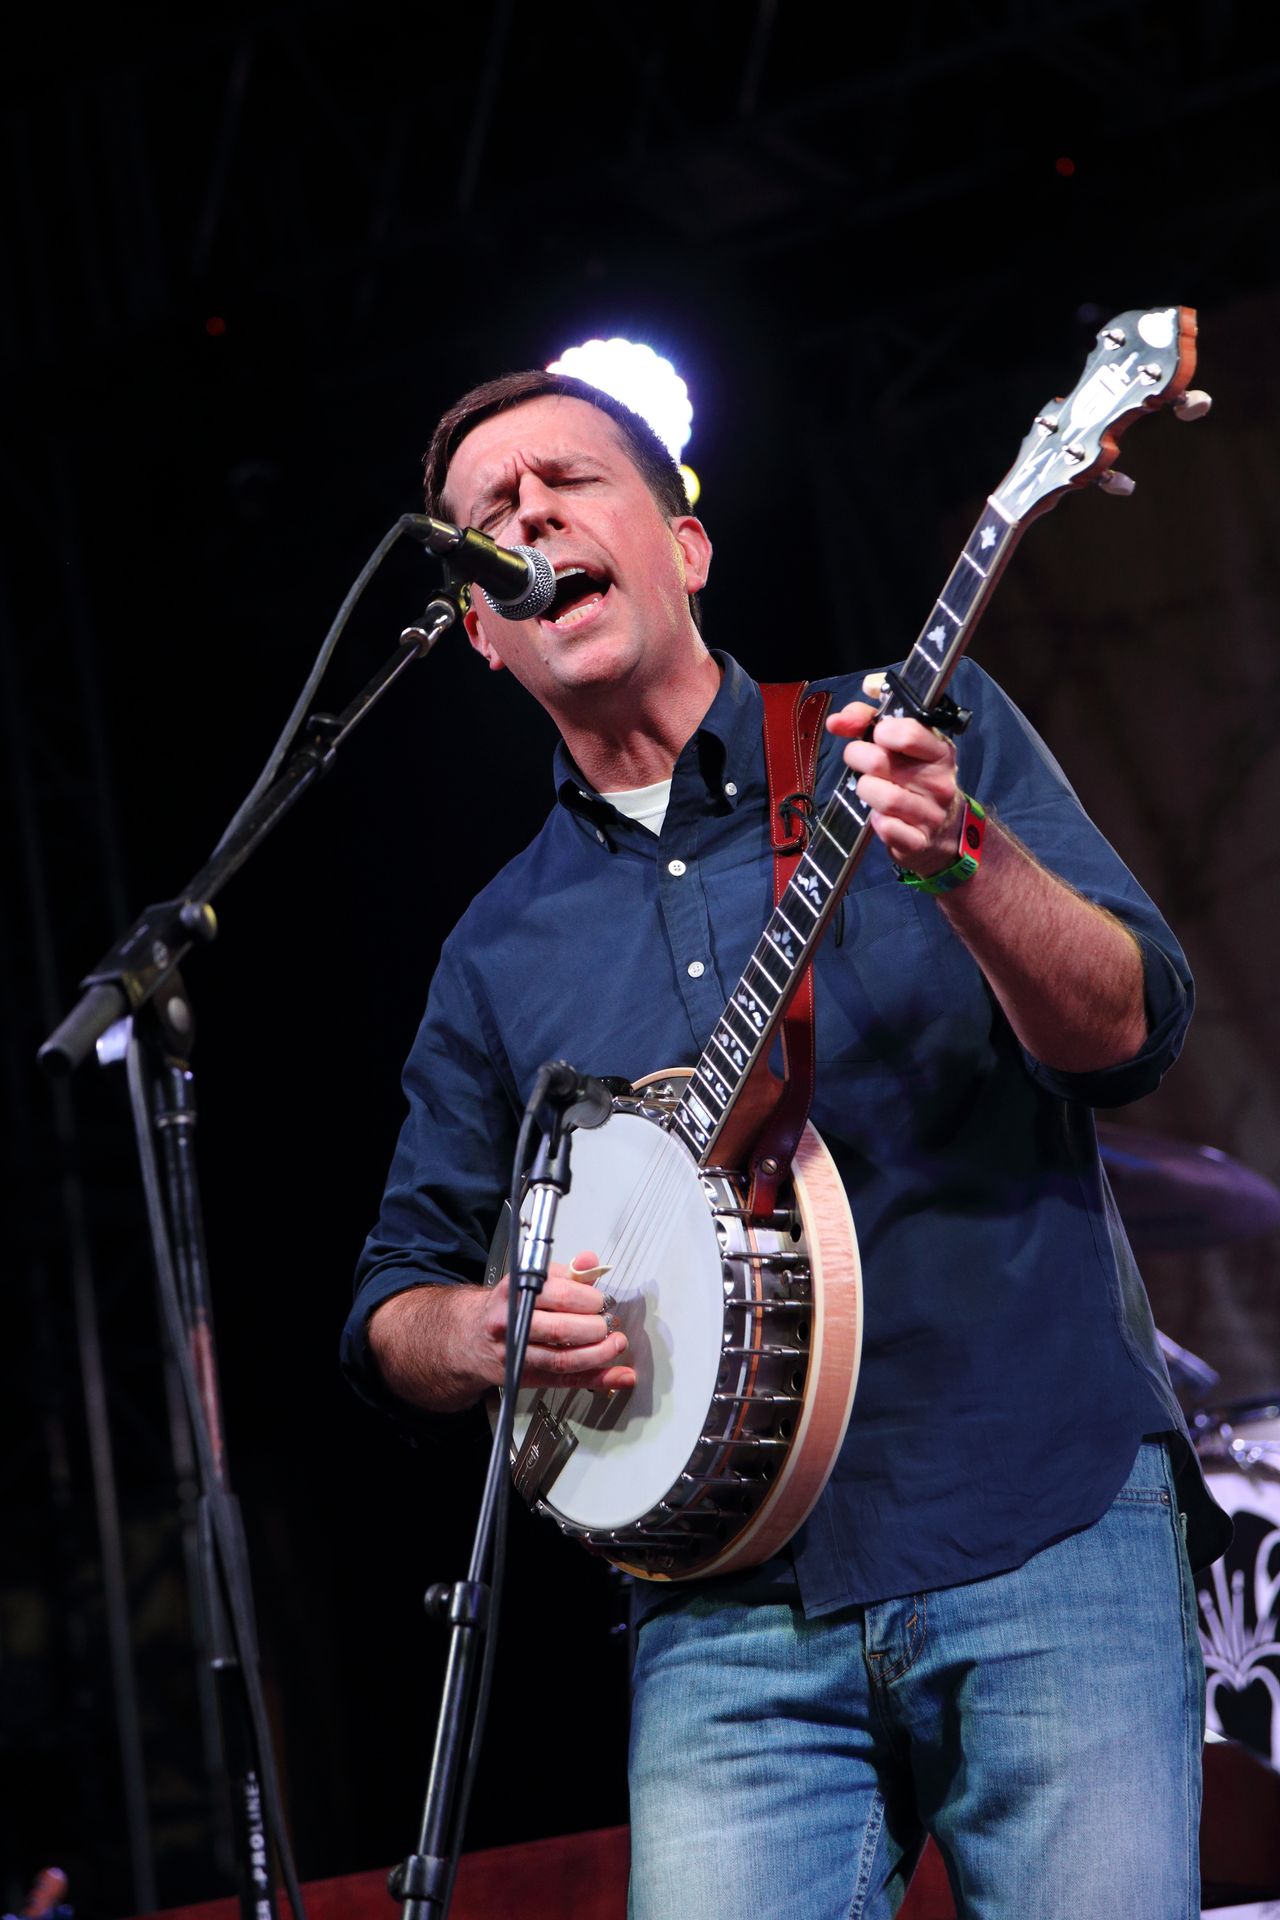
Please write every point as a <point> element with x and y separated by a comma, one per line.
<point>1175,1197</point>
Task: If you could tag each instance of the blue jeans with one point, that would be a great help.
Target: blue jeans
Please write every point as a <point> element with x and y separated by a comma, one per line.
<point>1044,1725</point>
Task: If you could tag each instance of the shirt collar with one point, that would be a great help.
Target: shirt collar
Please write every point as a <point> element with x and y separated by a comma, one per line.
<point>723,746</point>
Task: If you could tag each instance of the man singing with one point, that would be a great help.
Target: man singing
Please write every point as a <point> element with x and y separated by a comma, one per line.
<point>986,1629</point>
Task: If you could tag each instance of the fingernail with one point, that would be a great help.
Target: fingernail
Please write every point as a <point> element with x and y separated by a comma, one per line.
<point>608,1320</point>
<point>609,1302</point>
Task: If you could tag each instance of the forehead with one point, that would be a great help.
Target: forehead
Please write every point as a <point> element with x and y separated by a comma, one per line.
<point>553,430</point>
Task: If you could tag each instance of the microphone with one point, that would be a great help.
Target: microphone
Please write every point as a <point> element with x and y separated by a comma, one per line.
<point>518,582</point>
<point>583,1101</point>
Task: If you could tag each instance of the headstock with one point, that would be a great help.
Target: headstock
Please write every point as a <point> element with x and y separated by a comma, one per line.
<point>1143,360</point>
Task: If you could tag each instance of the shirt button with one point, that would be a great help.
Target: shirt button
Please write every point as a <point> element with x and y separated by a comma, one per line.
<point>676,867</point>
<point>696,969</point>
<point>731,787</point>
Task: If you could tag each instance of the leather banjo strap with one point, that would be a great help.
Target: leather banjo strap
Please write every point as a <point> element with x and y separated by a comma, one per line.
<point>792,735</point>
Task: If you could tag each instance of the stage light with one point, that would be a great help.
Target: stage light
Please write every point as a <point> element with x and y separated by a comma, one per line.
<point>642,379</point>
<point>215,325</point>
<point>692,484</point>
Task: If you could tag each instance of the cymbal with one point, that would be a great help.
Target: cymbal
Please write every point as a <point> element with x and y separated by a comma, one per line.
<point>1173,1196</point>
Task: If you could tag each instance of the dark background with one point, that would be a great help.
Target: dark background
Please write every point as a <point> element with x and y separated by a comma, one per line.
<point>247,259</point>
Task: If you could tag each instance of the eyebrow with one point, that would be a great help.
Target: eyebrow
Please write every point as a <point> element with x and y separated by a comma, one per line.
<point>555,466</point>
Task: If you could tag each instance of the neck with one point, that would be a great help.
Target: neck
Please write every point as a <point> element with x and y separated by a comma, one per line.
<point>632,738</point>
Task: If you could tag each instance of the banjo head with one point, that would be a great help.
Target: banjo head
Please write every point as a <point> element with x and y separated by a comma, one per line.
<point>745,1334</point>
<point>637,1200</point>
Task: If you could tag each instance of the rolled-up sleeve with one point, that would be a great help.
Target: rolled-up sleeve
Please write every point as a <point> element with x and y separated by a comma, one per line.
<point>451,1167</point>
<point>1007,765</point>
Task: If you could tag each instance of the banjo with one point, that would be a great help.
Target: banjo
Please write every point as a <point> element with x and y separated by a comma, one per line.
<point>744,1322</point>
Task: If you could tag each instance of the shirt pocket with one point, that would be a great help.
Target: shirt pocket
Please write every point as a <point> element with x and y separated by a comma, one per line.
<point>903,1026</point>
<point>878,978</point>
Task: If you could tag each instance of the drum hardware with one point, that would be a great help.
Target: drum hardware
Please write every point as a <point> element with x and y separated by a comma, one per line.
<point>1174,1196</point>
<point>1187,1371</point>
<point>1238,1444</point>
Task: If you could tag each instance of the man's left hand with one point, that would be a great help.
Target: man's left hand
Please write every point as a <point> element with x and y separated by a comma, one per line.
<point>907,776</point>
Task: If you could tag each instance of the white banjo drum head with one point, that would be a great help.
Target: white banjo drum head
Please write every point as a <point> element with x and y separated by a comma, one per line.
<point>637,1201</point>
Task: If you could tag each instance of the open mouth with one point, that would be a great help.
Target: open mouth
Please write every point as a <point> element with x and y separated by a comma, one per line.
<point>578,590</point>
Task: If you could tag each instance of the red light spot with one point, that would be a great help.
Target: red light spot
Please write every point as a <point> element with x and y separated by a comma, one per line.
<point>1064,165</point>
<point>215,324</point>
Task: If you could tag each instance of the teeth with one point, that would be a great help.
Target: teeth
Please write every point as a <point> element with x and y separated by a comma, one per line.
<point>579,612</point>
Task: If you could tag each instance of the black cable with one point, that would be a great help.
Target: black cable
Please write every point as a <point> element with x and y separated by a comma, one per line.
<point>302,704</point>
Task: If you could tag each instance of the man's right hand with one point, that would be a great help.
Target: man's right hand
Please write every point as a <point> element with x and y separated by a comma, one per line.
<point>442,1347</point>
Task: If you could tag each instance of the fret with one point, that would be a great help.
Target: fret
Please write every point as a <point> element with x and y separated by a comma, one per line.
<point>691,1103</point>
<point>983,547</point>
<point>756,962</point>
<point>812,884</point>
<point>714,1083</point>
<point>792,888</point>
<point>820,826</point>
<point>962,589</point>
<point>820,858</point>
<point>932,644</point>
<point>734,1051</point>
<point>788,956</point>
<point>688,1133</point>
<point>846,793</point>
<point>728,1045</point>
<point>712,1086</point>
<point>733,1011</point>
<point>780,915</point>
<point>748,1007</point>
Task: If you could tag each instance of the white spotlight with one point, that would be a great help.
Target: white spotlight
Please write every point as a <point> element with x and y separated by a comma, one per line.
<point>642,379</point>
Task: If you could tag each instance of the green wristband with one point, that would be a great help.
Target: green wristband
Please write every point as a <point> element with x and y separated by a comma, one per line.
<point>972,829</point>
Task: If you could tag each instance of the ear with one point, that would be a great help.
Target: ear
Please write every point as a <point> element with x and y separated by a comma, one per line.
<point>695,547</point>
<point>481,641</point>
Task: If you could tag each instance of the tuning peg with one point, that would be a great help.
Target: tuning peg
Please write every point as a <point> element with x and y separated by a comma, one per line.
<point>1116,483</point>
<point>1193,404</point>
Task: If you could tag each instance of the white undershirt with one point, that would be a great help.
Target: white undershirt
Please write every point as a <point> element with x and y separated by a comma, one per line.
<point>646,805</point>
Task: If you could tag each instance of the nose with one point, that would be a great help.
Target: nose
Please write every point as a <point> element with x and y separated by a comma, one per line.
<point>540,510</point>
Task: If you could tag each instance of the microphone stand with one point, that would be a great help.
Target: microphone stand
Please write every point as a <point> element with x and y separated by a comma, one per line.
<point>136,1004</point>
<point>423,1882</point>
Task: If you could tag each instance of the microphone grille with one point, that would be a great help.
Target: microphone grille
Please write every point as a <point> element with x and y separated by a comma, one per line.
<point>539,593</point>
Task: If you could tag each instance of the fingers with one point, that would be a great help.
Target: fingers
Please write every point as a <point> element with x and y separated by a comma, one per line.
<point>906,778</point>
<point>895,734</point>
<point>573,1341</point>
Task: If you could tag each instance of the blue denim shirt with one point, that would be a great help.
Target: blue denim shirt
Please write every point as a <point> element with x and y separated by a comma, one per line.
<point>1010,1368</point>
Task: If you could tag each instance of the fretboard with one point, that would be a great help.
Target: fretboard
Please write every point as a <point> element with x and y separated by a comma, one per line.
<point>838,839</point>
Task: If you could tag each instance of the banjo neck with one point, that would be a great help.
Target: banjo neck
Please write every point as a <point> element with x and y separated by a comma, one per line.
<point>838,840</point>
<point>1142,361</point>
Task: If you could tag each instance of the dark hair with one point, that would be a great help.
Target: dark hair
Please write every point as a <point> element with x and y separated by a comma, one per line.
<point>648,455</point>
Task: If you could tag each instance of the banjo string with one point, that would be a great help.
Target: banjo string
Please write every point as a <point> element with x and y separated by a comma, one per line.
<point>622,1254</point>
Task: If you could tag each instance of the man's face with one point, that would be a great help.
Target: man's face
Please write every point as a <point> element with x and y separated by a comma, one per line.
<point>555,473</point>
